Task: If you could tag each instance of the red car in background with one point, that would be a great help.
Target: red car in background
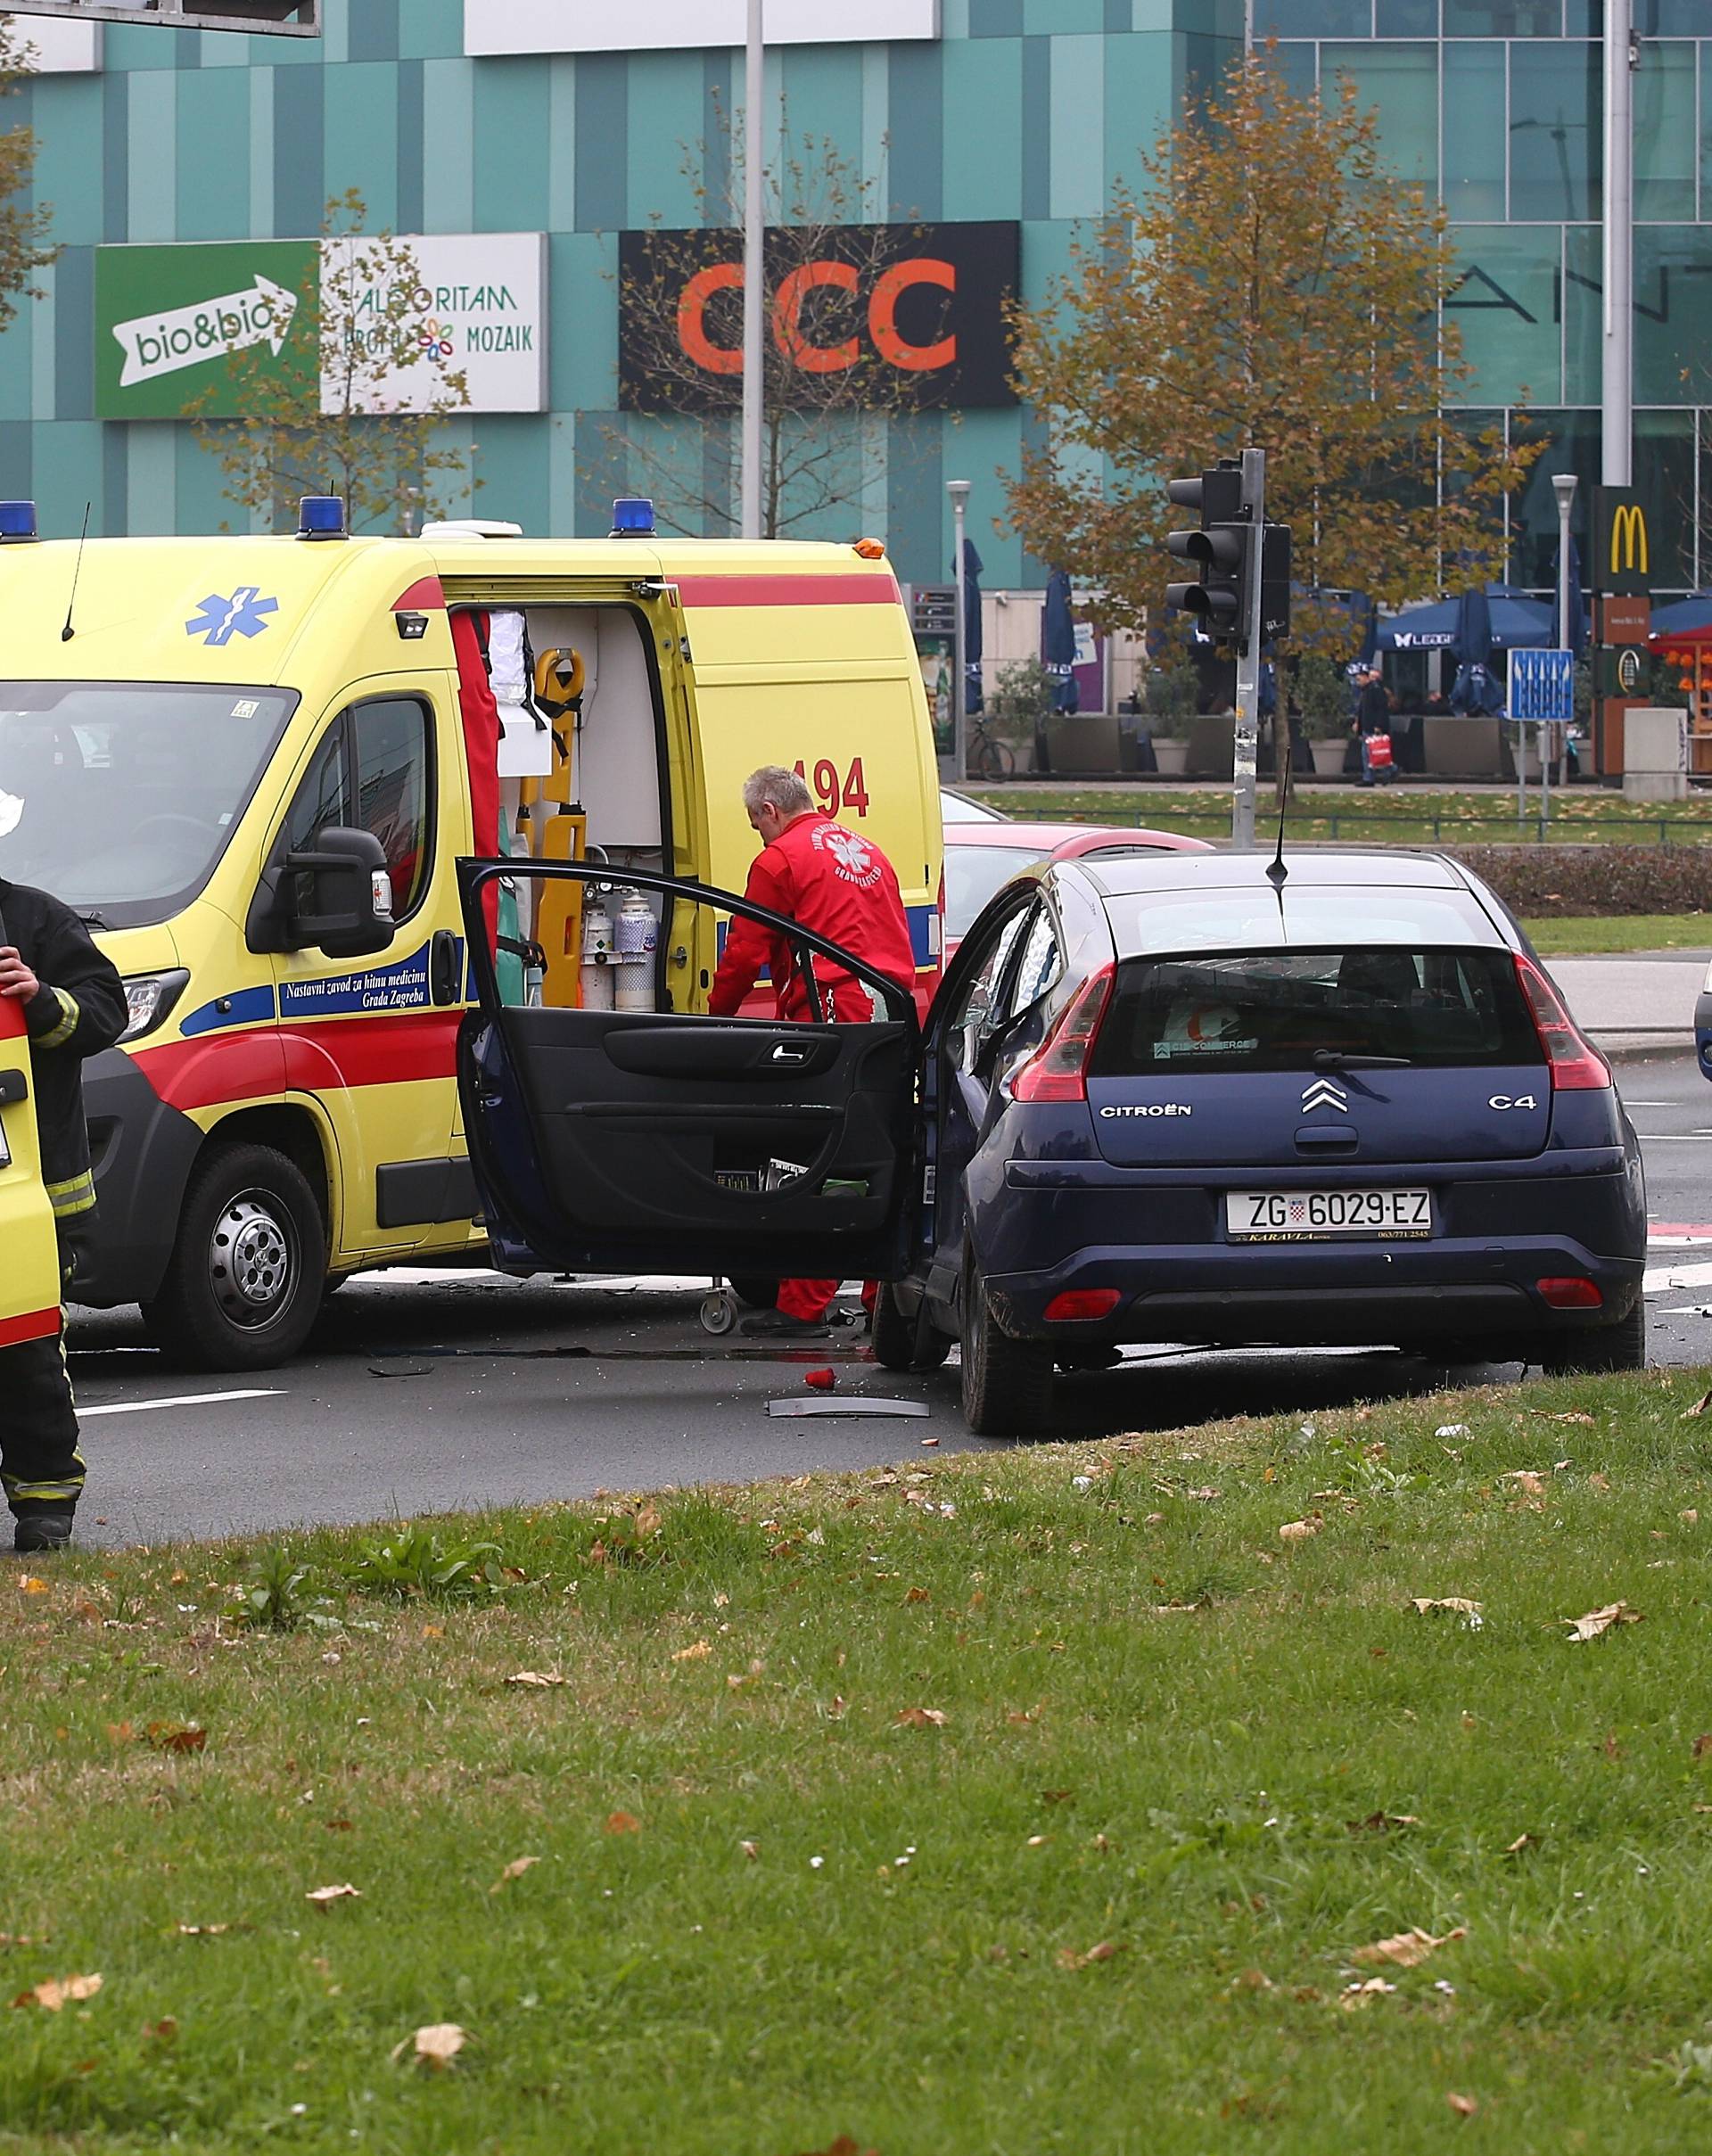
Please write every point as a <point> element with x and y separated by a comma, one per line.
<point>981,858</point>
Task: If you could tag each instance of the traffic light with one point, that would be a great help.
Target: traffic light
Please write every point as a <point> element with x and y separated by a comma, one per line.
<point>1275,583</point>
<point>1218,551</point>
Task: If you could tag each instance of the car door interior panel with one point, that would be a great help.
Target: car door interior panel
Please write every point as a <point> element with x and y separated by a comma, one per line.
<point>671,1140</point>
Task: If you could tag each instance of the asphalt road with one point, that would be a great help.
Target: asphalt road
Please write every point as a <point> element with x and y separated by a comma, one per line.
<point>431,1392</point>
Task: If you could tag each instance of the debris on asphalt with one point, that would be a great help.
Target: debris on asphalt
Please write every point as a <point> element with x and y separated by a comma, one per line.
<point>851,1404</point>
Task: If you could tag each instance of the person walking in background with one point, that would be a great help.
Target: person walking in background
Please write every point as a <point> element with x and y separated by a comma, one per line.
<point>74,1006</point>
<point>840,884</point>
<point>1372,717</point>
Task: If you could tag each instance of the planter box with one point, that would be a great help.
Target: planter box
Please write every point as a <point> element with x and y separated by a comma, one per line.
<point>1172,756</point>
<point>1083,741</point>
<point>1328,758</point>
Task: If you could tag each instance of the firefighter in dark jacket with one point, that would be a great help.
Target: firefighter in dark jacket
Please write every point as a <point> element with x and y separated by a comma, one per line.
<point>74,1006</point>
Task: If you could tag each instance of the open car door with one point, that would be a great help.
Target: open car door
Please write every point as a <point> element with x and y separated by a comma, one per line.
<point>29,1263</point>
<point>670,1141</point>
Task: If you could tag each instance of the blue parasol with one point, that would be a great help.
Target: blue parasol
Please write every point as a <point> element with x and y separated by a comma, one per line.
<point>1058,641</point>
<point>972,697</point>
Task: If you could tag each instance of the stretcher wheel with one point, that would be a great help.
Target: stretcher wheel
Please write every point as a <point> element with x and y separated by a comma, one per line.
<point>718,1313</point>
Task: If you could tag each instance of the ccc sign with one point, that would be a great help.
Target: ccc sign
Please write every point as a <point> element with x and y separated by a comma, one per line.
<point>925,300</point>
<point>1622,547</point>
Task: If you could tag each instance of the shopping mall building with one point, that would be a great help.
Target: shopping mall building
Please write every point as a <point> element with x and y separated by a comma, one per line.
<point>523,139</point>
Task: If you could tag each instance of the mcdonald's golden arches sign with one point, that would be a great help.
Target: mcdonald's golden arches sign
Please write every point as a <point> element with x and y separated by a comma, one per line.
<point>1621,552</point>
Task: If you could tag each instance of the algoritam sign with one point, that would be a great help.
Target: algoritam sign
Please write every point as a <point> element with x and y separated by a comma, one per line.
<point>167,317</point>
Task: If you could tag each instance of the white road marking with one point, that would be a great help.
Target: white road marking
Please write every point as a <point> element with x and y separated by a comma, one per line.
<point>1659,1280</point>
<point>141,1407</point>
<point>1659,1137</point>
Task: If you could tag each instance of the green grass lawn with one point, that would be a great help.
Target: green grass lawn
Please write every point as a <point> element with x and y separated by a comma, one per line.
<point>1033,1801</point>
<point>1582,933</point>
<point>1402,816</point>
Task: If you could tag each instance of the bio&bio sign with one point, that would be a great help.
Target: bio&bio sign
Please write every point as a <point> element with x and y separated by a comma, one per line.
<point>167,317</point>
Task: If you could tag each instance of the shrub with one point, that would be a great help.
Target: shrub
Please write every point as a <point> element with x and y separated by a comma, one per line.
<point>1322,696</point>
<point>1543,881</point>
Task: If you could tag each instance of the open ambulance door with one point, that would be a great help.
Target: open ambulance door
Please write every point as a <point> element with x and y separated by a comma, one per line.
<point>29,1261</point>
<point>607,1140</point>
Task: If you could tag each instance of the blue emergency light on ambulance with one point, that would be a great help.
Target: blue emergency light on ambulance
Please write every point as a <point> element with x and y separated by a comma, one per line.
<point>321,516</point>
<point>17,522</point>
<point>632,516</point>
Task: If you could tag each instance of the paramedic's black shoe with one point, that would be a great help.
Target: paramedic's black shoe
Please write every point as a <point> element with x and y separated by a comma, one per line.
<point>41,1530</point>
<point>775,1325</point>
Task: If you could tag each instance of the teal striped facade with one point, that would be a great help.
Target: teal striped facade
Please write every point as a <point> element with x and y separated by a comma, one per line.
<point>1022,109</point>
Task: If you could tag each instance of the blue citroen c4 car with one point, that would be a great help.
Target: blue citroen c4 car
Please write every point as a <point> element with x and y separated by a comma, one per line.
<point>1169,1098</point>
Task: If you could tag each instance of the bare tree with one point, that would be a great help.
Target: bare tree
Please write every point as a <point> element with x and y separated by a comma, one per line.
<point>830,392</point>
<point>353,406</point>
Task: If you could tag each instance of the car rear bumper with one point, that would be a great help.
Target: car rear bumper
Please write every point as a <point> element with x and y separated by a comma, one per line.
<point>1477,1278</point>
<point>1316,1294</point>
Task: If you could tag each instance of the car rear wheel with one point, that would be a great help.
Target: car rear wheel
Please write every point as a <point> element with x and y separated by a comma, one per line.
<point>901,1342</point>
<point>247,1273</point>
<point>1620,1346</point>
<point>1007,1383</point>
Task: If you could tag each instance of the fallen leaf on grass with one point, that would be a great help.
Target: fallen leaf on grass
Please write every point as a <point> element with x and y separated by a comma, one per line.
<point>324,1897</point>
<point>208,1931</point>
<point>1574,1414</point>
<point>168,1737</point>
<point>623,1822</point>
<point>917,1595</point>
<point>1465,2107</point>
<point>1521,1842</point>
<point>1069,1958</point>
<point>922,1718</point>
<point>163,2031</point>
<point>434,2046</point>
<point>1698,1408</point>
<point>1598,1622</point>
<point>698,1651</point>
<point>1353,1996</point>
<point>28,1583</point>
<point>1703,1744</point>
<point>537,1680</point>
<point>513,1870</point>
<point>842,2146</point>
<point>1300,1530</point>
<point>1527,1480</point>
<point>1459,1604</point>
<point>1381,1822</point>
<point>1406,1948</point>
<point>751,1849</point>
<point>58,1991</point>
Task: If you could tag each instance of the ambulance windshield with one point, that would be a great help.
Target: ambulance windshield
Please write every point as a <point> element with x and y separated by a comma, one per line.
<point>119,797</point>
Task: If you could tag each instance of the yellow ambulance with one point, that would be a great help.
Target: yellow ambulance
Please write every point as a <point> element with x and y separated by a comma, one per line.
<point>251,764</point>
<point>29,1264</point>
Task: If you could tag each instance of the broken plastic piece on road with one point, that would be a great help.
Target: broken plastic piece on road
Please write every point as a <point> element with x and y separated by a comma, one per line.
<point>821,1380</point>
<point>851,1405</point>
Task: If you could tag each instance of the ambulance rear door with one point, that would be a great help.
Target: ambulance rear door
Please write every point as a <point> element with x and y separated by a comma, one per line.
<point>30,1263</point>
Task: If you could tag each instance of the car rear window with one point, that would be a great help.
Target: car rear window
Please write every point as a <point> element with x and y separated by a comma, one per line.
<point>1270,1010</point>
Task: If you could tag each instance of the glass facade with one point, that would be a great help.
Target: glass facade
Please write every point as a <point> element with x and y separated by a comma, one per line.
<point>1497,103</point>
<point>1028,111</point>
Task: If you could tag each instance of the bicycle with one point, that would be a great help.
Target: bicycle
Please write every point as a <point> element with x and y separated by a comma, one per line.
<point>984,754</point>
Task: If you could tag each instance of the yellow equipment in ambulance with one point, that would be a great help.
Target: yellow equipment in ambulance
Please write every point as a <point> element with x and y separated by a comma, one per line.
<point>251,763</point>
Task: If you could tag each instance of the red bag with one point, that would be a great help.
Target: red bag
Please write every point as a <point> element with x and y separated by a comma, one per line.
<point>1378,753</point>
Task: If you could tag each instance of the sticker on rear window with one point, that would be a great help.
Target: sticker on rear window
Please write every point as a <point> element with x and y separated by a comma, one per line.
<point>1202,1029</point>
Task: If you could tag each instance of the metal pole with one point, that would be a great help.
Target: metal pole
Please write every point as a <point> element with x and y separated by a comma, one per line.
<point>1247,740</point>
<point>1617,413</point>
<point>959,491</point>
<point>754,273</point>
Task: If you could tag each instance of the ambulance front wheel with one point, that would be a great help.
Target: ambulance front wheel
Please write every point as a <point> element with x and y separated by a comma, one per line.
<point>245,1279</point>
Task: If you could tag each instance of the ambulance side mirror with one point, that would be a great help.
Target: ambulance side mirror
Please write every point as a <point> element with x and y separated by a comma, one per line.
<point>343,903</point>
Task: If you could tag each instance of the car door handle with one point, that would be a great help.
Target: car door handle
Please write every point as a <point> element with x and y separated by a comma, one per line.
<point>443,983</point>
<point>790,1051</point>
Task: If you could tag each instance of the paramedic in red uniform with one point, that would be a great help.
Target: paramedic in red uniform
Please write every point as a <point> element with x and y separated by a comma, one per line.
<point>842,887</point>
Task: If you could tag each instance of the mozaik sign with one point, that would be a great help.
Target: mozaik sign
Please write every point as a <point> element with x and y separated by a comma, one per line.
<point>167,317</point>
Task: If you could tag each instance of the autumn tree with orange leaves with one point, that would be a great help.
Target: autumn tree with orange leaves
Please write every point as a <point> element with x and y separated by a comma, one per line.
<point>1273,285</point>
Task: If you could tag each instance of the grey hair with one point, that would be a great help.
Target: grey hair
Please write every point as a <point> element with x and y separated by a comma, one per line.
<point>784,789</point>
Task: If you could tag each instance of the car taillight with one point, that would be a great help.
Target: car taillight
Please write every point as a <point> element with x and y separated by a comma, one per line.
<point>1575,1065</point>
<point>1571,1293</point>
<point>1080,1303</point>
<point>1059,1068</point>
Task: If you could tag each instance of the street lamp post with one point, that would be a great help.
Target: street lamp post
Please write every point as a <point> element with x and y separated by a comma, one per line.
<point>1617,384</point>
<point>755,271</point>
<point>959,491</point>
<point>1563,485</point>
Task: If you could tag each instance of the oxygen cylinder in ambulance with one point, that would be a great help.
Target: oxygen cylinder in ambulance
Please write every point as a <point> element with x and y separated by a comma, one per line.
<point>595,977</point>
<point>634,936</point>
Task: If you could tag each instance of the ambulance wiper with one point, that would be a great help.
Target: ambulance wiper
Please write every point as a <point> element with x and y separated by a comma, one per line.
<point>94,920</point>
<point>1335,1059</point>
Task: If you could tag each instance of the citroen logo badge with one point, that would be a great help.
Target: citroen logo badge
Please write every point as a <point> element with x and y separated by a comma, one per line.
<point>1323,1094</point>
